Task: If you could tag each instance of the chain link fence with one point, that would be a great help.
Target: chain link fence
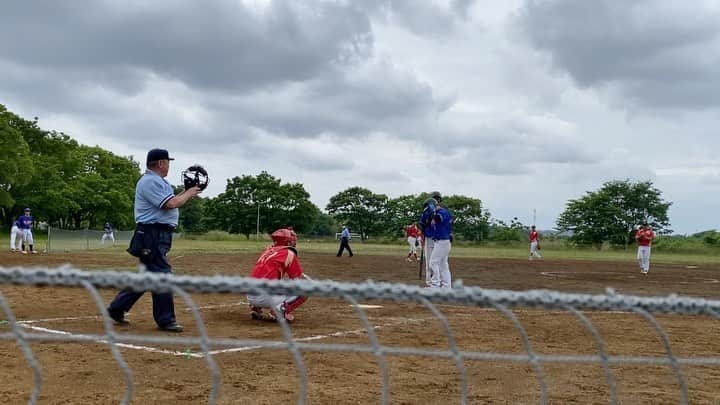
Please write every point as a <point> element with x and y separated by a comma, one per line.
<point>503,301</point>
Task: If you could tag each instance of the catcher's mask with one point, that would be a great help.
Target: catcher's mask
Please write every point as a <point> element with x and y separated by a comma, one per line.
<point>284,237</point>
<point>195,175</point>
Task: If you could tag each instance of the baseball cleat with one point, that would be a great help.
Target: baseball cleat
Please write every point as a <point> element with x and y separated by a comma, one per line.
<point>24,252</point>
<point>259,316</point>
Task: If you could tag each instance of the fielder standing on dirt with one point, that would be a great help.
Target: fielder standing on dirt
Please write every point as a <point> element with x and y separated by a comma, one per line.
<point>644,237</point>
<point>277,262</point>
<point>411,233</point>
<point>25,223</point>
<point>156,217</point>
<point>534,243</point>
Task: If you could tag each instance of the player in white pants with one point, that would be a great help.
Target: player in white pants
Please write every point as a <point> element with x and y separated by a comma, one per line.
<point>107,234</point>
<point>644,237</point>
<point>429,247</point>
<point>439,263</point>
<point>411,233</point>
<point>440,224</point>
<point>25,223</point>
<point>16,238</point>
<point>534,243</point>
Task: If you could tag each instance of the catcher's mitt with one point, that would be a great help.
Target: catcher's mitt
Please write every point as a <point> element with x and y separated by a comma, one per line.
<point>195,175</point>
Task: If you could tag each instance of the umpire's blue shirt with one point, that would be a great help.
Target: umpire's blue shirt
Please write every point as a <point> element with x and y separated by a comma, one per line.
<point>151,194</point>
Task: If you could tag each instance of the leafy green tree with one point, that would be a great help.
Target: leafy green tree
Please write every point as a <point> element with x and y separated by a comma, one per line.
<point>324,225</point>
<point>502,231</point>
<point>249,200</point>
<point>16,166</point>
<point>360,209</point>
<point>400,212</point>
<point>470,221</point>
<point>192,214</point>
<point>613,212</point>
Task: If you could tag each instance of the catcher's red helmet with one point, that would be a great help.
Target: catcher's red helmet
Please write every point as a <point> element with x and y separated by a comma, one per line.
<point>284,237</point>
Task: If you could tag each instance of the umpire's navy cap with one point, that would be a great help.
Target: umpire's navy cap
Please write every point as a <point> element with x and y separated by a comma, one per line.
<point>158,154</point>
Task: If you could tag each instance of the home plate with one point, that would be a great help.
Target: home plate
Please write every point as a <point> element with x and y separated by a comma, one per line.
<point>366,306</point>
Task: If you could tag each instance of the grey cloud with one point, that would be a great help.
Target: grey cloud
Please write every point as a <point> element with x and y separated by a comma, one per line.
<point>222,45</point>
<point>656,54</point>
<point>422,18</point>
<point>355,103</point>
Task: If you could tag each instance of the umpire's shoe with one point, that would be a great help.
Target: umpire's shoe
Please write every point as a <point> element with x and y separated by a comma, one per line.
<point>118,317</point>
<point>172,327</point>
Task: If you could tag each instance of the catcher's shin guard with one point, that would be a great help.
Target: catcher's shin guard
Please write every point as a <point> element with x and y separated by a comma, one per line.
<point>292,304</point>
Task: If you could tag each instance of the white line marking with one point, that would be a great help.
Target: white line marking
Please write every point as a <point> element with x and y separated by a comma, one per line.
<point>319,337</point>
<point>125,345</point>
<point>578,274</point>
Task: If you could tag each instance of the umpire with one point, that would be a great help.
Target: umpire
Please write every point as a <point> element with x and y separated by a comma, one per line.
<point>156,217</point>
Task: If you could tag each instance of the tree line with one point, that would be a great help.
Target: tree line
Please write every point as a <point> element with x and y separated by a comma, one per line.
<point>73,186</point>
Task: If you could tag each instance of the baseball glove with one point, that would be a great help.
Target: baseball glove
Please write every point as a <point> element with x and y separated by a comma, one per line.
<point>195,175</point>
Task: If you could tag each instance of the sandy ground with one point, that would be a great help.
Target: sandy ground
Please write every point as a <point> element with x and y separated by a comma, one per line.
<point>76,373</point>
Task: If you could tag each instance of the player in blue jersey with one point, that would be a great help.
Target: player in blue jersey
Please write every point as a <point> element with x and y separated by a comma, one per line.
<point>25,223</point>
<point>427,229</point>
<point>440,221</point>
<point>107,233</point>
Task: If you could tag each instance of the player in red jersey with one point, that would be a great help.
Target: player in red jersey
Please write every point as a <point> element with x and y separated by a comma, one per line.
<point>644,237</point>
<point>277,262</point>
<point>412,233</point>
<point>534,243</point>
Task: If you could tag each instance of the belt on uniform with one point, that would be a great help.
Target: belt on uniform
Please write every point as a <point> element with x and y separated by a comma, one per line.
<point>162,227</point>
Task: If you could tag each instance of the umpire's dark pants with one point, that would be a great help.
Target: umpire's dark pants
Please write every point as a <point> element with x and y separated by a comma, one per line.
<point>344,244</point>
<point>158,238</point>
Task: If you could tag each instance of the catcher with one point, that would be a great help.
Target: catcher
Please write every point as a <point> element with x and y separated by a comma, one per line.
<point>277,262</point>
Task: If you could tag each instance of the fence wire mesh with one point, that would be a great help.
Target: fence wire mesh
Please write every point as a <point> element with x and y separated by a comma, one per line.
<point>504,301</point>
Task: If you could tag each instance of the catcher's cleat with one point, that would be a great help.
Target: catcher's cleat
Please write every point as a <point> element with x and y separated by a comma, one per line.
<point>260,316</point>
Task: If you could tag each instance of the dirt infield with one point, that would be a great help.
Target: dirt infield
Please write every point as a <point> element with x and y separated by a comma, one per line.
<point>86,373</point>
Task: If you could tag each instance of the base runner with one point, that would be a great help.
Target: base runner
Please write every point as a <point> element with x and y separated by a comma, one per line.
<point>277,262</point>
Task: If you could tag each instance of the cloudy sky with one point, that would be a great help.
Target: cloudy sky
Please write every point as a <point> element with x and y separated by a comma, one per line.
<point>521,103</point>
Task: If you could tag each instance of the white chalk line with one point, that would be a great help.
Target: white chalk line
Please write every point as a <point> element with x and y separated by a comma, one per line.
<point>317,337</point>
<point>125,345</point>
<point>29,325</point>
<point>189,353</point>
<point>648,277</point>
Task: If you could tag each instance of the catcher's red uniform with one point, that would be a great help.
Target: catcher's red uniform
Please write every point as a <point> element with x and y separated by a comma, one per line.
<point>411,231</point>
<point>274,263</point>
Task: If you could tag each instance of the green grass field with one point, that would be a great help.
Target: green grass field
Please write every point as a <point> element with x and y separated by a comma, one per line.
<point>552,250</point>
